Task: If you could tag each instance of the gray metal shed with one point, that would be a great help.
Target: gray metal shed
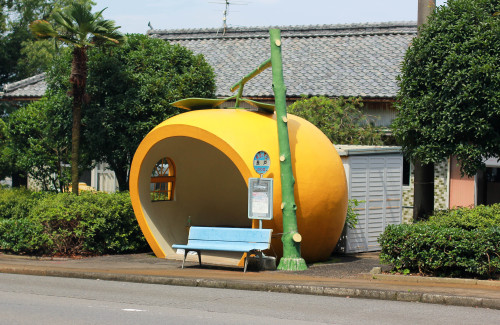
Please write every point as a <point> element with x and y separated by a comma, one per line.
<point>374,176</point>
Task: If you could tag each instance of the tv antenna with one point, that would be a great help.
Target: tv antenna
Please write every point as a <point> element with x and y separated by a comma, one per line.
<point>226,12</point>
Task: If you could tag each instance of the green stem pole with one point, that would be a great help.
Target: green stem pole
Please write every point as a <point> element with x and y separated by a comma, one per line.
<point>263,66</point>
<point>240,84</point>
<point>291,260</point>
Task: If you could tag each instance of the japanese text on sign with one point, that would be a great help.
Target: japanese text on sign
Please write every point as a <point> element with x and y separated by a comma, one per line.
<point>261,162</point>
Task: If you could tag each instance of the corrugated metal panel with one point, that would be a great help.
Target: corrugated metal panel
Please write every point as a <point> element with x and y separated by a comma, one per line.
<point>376,180</point>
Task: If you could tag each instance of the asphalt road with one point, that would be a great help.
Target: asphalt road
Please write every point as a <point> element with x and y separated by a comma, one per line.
<point>48,300</point>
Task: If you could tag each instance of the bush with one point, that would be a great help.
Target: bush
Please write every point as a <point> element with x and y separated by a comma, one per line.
<point>16,203</point>
<point>22,236</point>
<point>66,224</point>
<point>457,243</point>
<point>466,218</point>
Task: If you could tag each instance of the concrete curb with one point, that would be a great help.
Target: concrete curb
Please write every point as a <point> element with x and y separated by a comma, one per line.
<point>396,295</point>
<point>421,279</point>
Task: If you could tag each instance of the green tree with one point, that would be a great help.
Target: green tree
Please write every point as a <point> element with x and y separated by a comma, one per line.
<point>340,119</point>
<point>39,140</point>
<point>17,44</point>
<point>131,89</point>
<point>80,29</point>
<point>449,98</point>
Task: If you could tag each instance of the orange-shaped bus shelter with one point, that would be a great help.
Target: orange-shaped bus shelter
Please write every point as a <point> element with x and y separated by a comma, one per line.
<point>193,169</point>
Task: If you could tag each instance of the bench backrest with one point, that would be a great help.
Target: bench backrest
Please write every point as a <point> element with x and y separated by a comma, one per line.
<point>247,235</point>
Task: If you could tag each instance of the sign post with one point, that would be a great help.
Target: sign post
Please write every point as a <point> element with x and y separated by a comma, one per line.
<point>260,190</point>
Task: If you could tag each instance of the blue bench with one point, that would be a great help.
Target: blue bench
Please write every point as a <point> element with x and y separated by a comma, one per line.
<point>244,240</point>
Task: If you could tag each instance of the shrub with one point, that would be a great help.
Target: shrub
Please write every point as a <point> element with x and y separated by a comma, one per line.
<point>466,218</point>
<point>66,224</point>
<point>22,236</point>
<point>457,243</point>
<point>16,203</point>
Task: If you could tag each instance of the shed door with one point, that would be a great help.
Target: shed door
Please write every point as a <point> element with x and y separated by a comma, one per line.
<point>376,180</point>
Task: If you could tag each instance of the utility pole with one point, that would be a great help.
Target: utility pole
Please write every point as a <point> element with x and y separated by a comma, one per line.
<point>425,8</point>
<point>423,184</point>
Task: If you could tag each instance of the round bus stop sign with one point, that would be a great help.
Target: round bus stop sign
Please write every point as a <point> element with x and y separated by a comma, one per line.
<point>261,162</point>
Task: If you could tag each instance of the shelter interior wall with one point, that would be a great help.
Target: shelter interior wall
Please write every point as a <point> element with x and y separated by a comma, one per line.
<point>209,189</point>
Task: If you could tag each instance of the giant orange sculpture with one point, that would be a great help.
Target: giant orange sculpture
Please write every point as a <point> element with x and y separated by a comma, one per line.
<point>204,181</point>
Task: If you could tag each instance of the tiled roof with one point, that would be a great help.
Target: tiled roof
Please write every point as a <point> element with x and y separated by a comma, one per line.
<point>332,60</point>
<point>33,87</point>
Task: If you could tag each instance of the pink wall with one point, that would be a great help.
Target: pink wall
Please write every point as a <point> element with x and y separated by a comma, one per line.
<point>461,189</point>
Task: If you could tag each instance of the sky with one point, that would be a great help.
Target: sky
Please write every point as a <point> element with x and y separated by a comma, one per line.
<point>133,16</point>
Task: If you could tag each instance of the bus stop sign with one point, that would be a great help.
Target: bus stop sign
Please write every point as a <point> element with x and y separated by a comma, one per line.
<point>261,162</point>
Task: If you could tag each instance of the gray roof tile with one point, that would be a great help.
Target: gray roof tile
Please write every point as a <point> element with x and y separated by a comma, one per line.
<point>334,60</point>
<point>33,87</point>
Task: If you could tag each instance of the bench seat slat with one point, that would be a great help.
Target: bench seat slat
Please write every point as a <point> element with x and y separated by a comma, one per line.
<point>223,246</point>
<point>230,234</point>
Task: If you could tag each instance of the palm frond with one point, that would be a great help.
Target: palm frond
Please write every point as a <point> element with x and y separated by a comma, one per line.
<point>42,29</point>
<point>81,15</point>
<point>98,15</point>
<point>64,21</point>
<point>80,27</point>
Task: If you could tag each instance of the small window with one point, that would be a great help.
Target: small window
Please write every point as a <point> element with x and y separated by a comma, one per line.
<point>163,180</point>
<point>406,172</point>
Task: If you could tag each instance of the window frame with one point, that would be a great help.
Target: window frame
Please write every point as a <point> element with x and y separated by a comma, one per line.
<point>163,180</point>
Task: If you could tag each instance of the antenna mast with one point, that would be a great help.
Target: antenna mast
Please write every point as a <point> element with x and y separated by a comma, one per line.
<point>226,12</point>
<point>224,18</point>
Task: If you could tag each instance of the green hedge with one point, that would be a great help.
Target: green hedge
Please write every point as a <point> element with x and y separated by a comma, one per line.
<point>456,243</point>
<point>16,203</point>
<point>66,224</point>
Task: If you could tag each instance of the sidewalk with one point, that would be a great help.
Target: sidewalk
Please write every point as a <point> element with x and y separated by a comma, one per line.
<point>347,277</point>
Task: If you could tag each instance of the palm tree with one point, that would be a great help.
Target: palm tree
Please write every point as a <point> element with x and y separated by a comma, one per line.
<point>79,28</point>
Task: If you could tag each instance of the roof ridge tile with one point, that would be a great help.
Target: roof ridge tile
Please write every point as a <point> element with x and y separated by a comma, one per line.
<point>24,82</point>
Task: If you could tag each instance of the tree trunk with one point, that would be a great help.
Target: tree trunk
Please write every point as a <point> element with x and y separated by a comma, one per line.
<point>19,180</point>
<point>122,177</point>
<point>423,201</point>
<point>78,81</point>
<point>291,260</point>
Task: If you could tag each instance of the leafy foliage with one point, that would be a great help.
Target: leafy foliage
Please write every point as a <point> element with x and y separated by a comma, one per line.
<point>351,219</point>
<point>449,100</point>
<point>19,55</point>
<point>131,89</point>
<point>64,224</point>
<point>341,120</point>
<point>482,216</point>
<point>460,243</point>
<point>40,141</point>
<point>16,203</point>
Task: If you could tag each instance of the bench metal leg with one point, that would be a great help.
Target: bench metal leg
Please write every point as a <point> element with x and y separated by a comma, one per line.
<point>184,260</point>
<point>186,251</point>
